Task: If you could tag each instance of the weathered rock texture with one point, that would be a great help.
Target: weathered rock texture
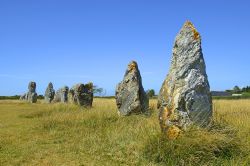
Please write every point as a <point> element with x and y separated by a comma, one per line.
<point>82,94</point>
<point>31,96</point>
<point>185,94</point>
<point>130,95</point>
<point>49,93</point>
<point>62,95</point>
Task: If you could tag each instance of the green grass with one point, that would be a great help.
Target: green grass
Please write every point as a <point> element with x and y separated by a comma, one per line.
<point>59,134</point>
<point>246,94</point>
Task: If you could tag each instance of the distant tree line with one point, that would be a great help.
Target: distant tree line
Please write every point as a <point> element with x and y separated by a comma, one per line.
<point>9,97</point>
<point>246,89</point>
<point>17,97</point>
<point>150,93</point>
<point>238,90</point>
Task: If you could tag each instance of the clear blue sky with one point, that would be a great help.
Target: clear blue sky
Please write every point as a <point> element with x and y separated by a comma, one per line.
<point>70,41</point>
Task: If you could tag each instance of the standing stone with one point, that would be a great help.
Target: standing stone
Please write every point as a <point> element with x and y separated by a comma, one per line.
<point>49,93</point>
<point>130,95</point>
<point>23,97</point>
<point>82,94</point>
<point>185,96</point>
<point>31,96</point>
<point>62,95</point>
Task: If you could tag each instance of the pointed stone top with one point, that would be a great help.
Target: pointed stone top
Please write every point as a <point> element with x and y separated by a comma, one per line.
<point>65,89</point>
<point>132,66</point>
<point>32,84</point>
<point>50,85</point>
<point>190,25</point>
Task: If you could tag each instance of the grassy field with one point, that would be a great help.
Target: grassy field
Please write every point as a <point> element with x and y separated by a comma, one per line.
<point>58,134</point>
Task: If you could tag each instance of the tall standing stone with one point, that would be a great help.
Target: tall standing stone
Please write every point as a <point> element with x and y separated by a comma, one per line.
<point>130,95</point>
<point>82,94</point>
<point>31,96</point>
<point>49,93</point>
<point>62,95</point>
<point>185,96</point>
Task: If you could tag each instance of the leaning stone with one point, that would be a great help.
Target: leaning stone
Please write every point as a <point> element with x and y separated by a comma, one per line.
<point>185,97</point>
<point>62,95</point>
<point>130,95</point>
<point>82,94</point>
<point>49,93</point>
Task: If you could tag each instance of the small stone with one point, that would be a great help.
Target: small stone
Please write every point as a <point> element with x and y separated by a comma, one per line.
<point>130,95</point>
<point>23,97</point>
<point>82,95</point>
<point>49,93</point>
<point>62,95</point>
<point>185,97</point>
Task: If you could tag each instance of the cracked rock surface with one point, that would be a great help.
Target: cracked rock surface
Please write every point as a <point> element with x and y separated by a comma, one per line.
<point>82,94</point>
<point>62,95</point>
<point>49,93</point>
<point>185,96</point>
<point>130,95</point>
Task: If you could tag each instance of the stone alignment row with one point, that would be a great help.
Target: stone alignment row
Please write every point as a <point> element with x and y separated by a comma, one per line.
<point>184,98</point>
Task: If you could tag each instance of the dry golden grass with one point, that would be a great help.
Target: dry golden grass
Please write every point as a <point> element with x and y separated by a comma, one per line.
<point>59,134</point>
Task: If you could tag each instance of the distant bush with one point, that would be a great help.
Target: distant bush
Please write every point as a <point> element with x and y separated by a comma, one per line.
<point>150,93</point>
<point>17,97</point>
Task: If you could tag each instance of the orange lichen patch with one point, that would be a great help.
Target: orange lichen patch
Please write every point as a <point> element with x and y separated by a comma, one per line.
<point>164,116</point>
<point>173,132</point>
<point>132,66</point>
<point>166,111</point>
<point>195,32</point>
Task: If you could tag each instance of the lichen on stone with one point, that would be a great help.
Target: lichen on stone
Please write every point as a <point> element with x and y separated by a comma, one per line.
<point>173,132</point>
<point>185,97</point>
<point>130,95</point>
<point>132,66</point>
<point>82,94</point>
<point>195,32</point>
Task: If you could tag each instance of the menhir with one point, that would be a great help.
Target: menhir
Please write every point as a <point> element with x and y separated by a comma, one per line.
<point>49,93</point>
<point>185,97</point>
<point>62,95</point>
<point>31,95</point>
<point>130,95</point>
<point>82,95</point>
